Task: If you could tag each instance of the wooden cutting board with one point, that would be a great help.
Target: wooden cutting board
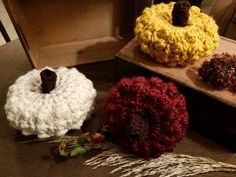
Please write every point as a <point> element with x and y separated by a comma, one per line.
<point>188,75</point>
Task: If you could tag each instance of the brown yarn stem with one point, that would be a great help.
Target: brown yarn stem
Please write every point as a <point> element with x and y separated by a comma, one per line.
<point>180,13</point>
<point>48,78</point>
<point>192,2</point>
<point>137,126</point>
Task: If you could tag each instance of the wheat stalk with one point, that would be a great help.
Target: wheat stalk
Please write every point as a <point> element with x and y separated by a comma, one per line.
<point>167,165</point>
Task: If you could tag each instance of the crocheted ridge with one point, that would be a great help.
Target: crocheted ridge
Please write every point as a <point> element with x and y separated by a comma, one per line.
<point>175,45</point>
<point>52,114</point>
<point>146,116</point>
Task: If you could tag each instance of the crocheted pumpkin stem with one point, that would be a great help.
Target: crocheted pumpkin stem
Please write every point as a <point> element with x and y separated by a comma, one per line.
<point>192,2</point>
<point>48,78</point>
<point>180,13</point>
<point>137,126</point>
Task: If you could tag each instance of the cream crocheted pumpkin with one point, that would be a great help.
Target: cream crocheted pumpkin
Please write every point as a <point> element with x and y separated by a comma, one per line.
<point>53,114</point>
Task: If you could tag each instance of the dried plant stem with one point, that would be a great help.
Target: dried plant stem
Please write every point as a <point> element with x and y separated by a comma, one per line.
<point>167,165</point>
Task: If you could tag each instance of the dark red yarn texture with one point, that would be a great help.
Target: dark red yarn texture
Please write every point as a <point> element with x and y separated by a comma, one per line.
<point>159,104</point>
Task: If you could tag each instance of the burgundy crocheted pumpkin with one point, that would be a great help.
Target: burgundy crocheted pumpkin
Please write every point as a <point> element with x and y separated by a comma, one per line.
<point>146,116</point>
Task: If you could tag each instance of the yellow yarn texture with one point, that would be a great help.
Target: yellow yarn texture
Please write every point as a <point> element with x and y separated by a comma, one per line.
<point>175,45</point>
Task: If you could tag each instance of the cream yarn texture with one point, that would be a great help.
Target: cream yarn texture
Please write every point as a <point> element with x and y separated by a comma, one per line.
<point>175,45</point>
<point>66,107</point>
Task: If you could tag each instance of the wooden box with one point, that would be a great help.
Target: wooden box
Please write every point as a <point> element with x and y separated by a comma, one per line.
<point>71,32</point>
<point>212,111</point>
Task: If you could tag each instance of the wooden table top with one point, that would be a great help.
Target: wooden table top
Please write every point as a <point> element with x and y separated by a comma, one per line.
<point>33,159</point>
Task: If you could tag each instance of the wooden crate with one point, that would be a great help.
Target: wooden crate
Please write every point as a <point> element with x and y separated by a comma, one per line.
<point>71,32</point>
<point>212,111</point>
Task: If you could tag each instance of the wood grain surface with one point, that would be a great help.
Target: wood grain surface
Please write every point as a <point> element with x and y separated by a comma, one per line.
<point>35,160</point>
<point>188,75</point>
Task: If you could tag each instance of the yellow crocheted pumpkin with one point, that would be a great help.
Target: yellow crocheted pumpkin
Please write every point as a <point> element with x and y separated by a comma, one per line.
<point>176,45</point>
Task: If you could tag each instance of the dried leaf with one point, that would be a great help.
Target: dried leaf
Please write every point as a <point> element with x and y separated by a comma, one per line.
<point>62,151</point>
<point>77,151</point>
<point>82,139</point>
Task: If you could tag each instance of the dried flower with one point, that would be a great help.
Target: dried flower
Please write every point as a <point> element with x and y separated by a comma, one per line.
<point>220,71</point>
<point>97,138</point>
<point>70,146</point>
